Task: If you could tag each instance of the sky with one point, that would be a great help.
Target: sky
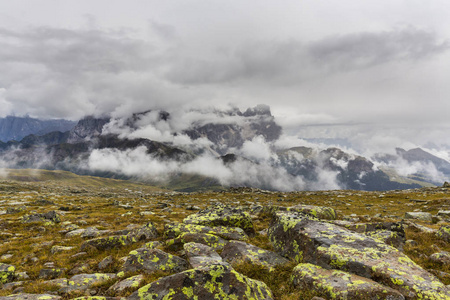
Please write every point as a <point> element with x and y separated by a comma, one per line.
<point>374,73</point>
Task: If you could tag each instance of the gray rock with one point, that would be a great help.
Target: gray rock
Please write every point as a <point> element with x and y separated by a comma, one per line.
<point>105,263</point>
<point>93,232</point>
<point>83,282</point>
<point>333,247</point>
<point>444,233</point>
<point>51,273</point>
<point>340,285</point>
<point>126,284</point>
<point>441,257</point>
<point>50,216</point>
<point>229,233</point>
<point>146,232</point>
<point>6,273</point>
<point>200,255</point>
<point>222,215</point>
<point>151,260</point>
<point>422,216</point>
<point>210,240</point>
<point>444,213</point>
<point>236,251</point>
<point>110,242</point>
<point>58,249</point>
<point>211,282</point>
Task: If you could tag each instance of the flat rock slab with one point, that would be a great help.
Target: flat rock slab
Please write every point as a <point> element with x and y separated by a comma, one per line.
<point>128,283</point>
<point>333,247</point>
<point>82,282</point>
<point>31,297</point>
<point>152,260</point>
<point>211,282</point>
<point>390,238</point>
<point>222,215</point>
<point>227,233</point>
<point>236,251</point>
<point>422,216</point>
<point>340,285</point>
<point>200,255</point>
<point>320,212</point>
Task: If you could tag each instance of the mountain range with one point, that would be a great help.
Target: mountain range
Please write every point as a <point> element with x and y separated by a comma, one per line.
<point>216,149</point>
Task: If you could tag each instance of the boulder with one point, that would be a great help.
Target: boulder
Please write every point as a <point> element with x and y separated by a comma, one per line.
<point>222,215</point>
<point>421,216</point>
<point>236,251</point>
<point>320,212</point>
<point>131,282</point>
<point>213,241</point>
<point>340,285</point>
<point>82,282</point>
<point>93,232</point>
<point>227,233</point>
<point>444,233</point>
<point>210,282</point>
<point>152,260</point>
<point>47,217</point>
<point>200,255</point>
<point>110,242</point>
<point>388,237</point>
<point>51,273</point>
<point>441,257</point>
<point>146,232</point>
<point>333,247</point>
<point>6,273</point>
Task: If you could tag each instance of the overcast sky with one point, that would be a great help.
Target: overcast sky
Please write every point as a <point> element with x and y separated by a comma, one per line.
<point>366,70</point>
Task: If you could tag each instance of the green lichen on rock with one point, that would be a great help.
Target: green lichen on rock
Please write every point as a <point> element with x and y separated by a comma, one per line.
<point>48,218</point>
<point>222,215</point>
<point>332,246</point>
<point>228,233</point>
<point>210,282</point>
<point>444,233</point>
<point>152,260</point>
<point>6,273</point>
<point>340,285</point>
<point>110,242</point>
<point>210,240</point>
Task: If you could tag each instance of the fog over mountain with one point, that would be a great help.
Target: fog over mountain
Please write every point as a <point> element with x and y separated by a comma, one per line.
<point>362,77</point>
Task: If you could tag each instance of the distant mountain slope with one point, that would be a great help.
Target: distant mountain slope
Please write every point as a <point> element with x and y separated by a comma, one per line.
<point>16,128</point>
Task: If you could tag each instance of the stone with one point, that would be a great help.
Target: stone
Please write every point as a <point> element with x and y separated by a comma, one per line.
<point>210,282</point>
<point>340,285</point>
<point>211,240</point>
<point>441,258</point>
<point>153,244</point>
<point>105,263</point>
<point>227,233</point>
<point>222,215</point>
<point>444,213</point>
<point>236,252</point>
<point>93,232</point>
<point>51,273</point>
<point>444,233</point>
<point>152,260</point>
<point>320,212</point>
<point>82,282</point>
<point>6,273</point>
<point>146,232</point>
<point>110,242</point>
<point>47,217</point>
<point>422,216</point>
<point>58,249</point>
<point>388,237</point>
<point>31,297</point>
<point>126,284</point>
<point>200,255</point>
<point>76,232</point>
<point>308,240</point>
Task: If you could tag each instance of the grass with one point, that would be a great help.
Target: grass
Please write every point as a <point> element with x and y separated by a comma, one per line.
<point>101,203</point>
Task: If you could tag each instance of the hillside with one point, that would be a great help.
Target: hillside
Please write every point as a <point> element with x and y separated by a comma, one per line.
<point>65,237</point>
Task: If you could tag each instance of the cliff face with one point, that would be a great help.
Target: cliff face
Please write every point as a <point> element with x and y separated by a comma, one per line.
<point>16,128</point>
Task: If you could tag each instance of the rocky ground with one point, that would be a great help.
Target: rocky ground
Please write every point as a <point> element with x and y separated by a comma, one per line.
<point>64,242</point>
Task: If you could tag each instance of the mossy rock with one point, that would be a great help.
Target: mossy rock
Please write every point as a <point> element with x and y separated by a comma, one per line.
<point>210,240</point>
<point>228,233</point>
<point>335,284</point>
<point>200,255</point>
<point>236,252</point>
<point>390,238</point>
<point>211,282</point>
<point>152,260</point>
<point>222,215</point>
<point>82,282</point>
<point>146,232</point>
<point>320,212</point>
<point>444,233</point>
<point>333,247</point>
<point>50,216</point>
<point>110,242</point>
<point>6,273</point>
